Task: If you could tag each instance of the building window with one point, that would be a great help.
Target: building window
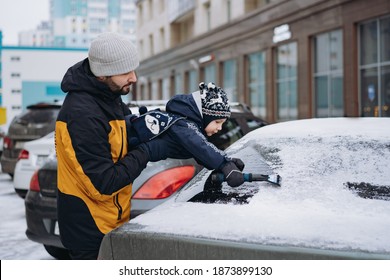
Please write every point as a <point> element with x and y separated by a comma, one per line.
<point>374,67</point>
<point>328,74</point>
<point>141,48</point>
<point>149,90</point>
<point>209,74</point>
<point>162,39</point>
<point>207,12</point>
<point>230,80</point>
<point>15,58</point>
<point>15,75</point>
<point>286,81</point>
<point>229,10</point>
<point>154,93</point>
<point>151,45</point>
<point>166,89</point>
<point>161,6</point>
<point>16,91</point>
<point>178,84</point>
<point>192,82</point>
<point>140,18</point>
<point>256,83</point>
<point>142,92</point>
<point>150,5</point>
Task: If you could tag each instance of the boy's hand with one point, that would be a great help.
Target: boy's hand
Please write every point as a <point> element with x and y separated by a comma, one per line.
<point>239,163</point>
<point>233,174</point>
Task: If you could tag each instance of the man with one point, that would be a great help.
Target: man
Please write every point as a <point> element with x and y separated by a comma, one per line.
<point>95,167</point>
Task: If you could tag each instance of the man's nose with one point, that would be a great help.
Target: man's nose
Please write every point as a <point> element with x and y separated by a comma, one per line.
<point>132,77</point>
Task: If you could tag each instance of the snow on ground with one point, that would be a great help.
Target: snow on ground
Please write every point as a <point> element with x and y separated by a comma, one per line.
<point>14,244</point>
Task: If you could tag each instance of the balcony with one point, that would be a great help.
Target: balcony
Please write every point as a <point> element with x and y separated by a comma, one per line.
<point>178,9</point>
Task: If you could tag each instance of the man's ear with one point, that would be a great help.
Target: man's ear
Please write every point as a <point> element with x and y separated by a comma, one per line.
<point>101,78</point>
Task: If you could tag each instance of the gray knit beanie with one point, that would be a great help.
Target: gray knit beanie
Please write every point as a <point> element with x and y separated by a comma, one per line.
<point>112,54</point>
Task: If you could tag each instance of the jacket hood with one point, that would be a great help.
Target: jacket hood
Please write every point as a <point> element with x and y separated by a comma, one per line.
<point>187,105</point>
<point>80,79</point>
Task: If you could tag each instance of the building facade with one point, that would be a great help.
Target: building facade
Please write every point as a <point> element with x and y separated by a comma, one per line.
<point>286,59</point>
<point>31,74</point>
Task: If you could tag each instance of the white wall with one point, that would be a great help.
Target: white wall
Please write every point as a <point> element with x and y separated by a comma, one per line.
<point>34,65</point>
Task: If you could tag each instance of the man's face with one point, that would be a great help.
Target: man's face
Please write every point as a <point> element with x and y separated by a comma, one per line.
<point>120,83</point>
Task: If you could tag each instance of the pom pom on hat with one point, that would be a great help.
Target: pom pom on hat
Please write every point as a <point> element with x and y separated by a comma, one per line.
<point>215,104</point>
<point>112,54</point>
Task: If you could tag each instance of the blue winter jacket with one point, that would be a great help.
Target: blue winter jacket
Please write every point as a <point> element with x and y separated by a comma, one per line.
<point>185,135</point>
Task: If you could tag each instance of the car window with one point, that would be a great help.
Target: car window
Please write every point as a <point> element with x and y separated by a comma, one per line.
<point>38,116</point>
<point>230,133</point>
<point>253,124</point>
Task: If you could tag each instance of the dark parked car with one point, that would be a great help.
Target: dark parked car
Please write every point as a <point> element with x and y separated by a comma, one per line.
<point>333,202</point>
<point>155,185</point>
<point>35,122</point>
<point>2,134</point>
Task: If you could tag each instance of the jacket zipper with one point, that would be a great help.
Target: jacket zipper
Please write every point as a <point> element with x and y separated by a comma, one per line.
<point>116,197</point>
<point>120,153</point>
<point>117,204</point>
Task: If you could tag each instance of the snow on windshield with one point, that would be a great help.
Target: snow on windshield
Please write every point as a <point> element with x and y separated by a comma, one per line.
<point>314,207</point>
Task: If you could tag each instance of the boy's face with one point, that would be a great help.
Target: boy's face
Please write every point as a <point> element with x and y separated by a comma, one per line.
<point>214,126</point>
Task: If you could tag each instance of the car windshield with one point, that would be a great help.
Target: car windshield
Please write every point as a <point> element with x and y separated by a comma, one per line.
<point>37,116</point>
<point>334,193</point>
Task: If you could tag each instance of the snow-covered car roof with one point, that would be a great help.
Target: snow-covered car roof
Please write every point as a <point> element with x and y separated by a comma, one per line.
<point>321,162</point>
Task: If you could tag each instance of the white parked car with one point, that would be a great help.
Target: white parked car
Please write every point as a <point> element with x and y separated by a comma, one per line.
<point>31,157</point>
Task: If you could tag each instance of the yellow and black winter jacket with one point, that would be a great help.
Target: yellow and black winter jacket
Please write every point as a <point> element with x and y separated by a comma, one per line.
<point>95,168</point>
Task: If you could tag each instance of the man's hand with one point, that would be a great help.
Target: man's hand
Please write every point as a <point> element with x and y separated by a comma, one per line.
<point>164,147</point>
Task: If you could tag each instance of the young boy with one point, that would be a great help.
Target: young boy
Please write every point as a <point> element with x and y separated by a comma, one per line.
<point>182,129</point>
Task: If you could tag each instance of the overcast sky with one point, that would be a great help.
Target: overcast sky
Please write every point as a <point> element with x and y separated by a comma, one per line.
<point>21,15</point>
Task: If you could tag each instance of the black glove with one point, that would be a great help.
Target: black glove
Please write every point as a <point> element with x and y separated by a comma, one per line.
<point>233,174</point>
<point>239,163</point>
<point>132,137</point>
<point>164,147</point>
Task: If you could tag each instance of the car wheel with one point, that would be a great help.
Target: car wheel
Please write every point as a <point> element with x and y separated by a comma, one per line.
<point>58,253</point>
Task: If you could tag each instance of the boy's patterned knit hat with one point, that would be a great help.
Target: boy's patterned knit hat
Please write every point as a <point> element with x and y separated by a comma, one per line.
<point>215,104</point>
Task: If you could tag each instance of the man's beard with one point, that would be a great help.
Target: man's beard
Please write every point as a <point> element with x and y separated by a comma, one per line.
<point>116,89</point>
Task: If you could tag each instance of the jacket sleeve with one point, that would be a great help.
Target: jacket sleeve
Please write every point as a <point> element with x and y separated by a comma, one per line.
<point>90,140</point>
<point>187,135</point>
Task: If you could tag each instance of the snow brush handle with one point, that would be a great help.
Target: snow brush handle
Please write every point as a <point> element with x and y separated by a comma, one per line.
<point>250,177</point>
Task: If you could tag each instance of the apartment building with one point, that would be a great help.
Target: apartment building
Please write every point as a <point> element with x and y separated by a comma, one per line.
<point>74,23</point>
<point>286,59</point>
